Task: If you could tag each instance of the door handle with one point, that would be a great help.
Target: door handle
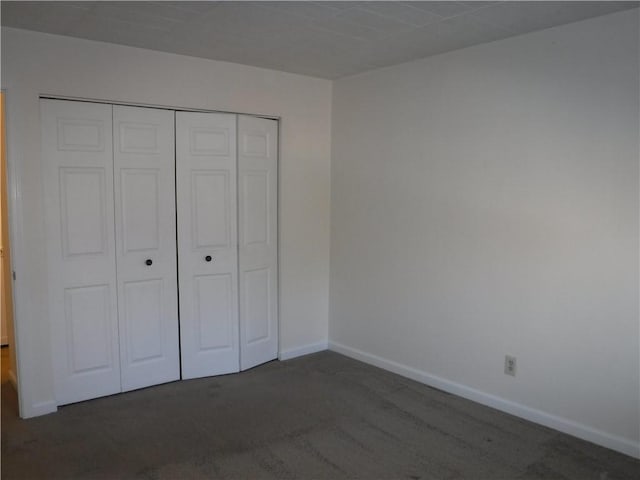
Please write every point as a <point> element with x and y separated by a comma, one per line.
<point>148,262</point>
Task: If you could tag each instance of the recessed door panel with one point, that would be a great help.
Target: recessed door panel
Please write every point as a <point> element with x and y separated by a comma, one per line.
<point>142,319</point>
<point>83,210</point>
<point>144,162</point>
<point>140,192</point>
<point>255,207</point>
<point>210,207</point>
<point>210,141</point>
<point>214,312</point>
<point>78,186</point>
<point>258,256</point>
<point>82,134</point>
<point>256,307</point>
<point>207,243</point>
<point>139,137</point>
<point>255,144</point>
<point>87,329</point>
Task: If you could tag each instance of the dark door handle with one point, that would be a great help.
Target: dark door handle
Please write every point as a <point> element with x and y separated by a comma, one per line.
<point>149,262</point>
<point>207,258</point>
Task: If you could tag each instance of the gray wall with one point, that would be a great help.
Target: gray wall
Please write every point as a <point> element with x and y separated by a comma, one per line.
<point>485,202</point>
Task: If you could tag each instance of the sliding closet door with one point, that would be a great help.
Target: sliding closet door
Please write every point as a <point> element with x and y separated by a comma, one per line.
<point>258,235</point>
<point>78,183</point>
<point>145,214</point>
<point>207,243</point>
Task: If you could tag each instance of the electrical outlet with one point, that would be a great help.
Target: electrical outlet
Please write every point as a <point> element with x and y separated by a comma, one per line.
<point>510,365</point>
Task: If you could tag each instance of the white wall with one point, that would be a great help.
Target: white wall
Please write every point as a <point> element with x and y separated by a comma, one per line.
<point>34,64</point>
<point>485,202</point>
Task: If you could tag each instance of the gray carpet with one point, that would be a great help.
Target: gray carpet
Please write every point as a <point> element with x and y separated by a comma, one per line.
<point>319,416</point>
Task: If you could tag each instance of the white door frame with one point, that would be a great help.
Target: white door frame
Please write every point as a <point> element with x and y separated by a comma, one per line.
<point>15,202</point>
<point>16,235</point>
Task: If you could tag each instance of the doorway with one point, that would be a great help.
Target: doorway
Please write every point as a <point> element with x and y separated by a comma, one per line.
<point>7,352</point>
<point>137,197</point>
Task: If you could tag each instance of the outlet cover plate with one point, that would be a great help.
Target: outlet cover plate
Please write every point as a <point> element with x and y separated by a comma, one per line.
<point>510,365</point>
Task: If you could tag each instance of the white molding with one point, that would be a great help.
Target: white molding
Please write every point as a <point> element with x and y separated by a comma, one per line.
<point>16,235</point>
<point>53,96</point>
<point>303,350</point>
<point>41,408</point>
<point>585,432</point>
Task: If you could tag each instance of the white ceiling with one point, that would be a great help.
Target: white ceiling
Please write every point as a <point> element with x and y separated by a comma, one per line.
<point>322,39</point>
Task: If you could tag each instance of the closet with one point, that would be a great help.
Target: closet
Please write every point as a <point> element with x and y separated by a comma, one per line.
<point>161,235</point>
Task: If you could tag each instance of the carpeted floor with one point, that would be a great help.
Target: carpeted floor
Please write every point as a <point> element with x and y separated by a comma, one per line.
<point>319,416</point>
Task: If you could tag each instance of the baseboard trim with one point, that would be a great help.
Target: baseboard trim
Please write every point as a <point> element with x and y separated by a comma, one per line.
<point>303,350</point>
<point>40,408</point>
<point>584,432</point>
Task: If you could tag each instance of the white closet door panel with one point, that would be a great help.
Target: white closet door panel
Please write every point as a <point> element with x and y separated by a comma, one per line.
<point>144,158</point>
<point>77,164</point>
<point>87,318</point>
<point>258,255</point>
<point>207,243</point>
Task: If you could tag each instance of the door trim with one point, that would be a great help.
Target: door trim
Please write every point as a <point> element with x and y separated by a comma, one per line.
<point>16,235</point>
<point>149,105</point>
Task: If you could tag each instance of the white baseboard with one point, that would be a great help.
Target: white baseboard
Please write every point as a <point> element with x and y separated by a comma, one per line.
<point>614,442</point>
<point>41,408</point>
<point>304,350</point>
